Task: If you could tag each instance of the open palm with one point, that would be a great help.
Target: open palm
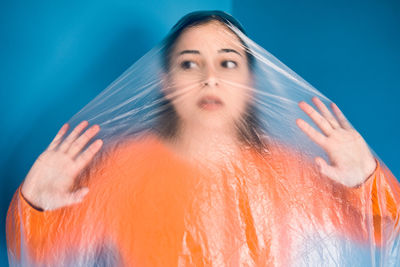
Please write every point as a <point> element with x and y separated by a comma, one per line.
<point>50,180</point>
<point>351,161</point>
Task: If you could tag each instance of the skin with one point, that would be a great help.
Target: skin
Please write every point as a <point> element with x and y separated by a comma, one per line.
<point>48,183</point>
<point>351,160</point>
<point>215,64</point>
<point>208,60</point>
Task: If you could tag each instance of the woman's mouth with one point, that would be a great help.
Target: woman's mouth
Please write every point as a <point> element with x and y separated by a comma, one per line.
<point>210,103</point>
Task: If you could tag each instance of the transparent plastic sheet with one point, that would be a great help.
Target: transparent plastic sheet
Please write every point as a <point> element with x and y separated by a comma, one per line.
<point>203,164</point>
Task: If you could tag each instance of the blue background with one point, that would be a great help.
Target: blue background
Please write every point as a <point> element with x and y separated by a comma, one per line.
<point>57,55</point>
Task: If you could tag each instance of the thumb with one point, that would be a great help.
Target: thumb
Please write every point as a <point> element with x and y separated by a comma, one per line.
<point>324,168</point>
<point>78,195</point>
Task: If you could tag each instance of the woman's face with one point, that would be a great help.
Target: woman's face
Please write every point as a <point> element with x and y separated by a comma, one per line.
<point>209,82</point>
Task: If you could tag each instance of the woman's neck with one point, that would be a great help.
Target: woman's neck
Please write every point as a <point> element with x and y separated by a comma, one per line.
<point>201,144</point>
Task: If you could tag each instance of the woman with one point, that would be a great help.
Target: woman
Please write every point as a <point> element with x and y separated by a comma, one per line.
<point>207,184</point>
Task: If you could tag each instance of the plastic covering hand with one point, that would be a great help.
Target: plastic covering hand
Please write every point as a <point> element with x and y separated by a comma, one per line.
<point>48,184</point>
<point>351,159</point>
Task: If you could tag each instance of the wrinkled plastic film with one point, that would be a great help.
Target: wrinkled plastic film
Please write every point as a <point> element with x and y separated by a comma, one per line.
<point>203,165</point>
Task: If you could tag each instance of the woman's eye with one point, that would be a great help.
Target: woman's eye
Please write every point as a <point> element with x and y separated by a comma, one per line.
<point>229,64</point>
<point>188,64</point>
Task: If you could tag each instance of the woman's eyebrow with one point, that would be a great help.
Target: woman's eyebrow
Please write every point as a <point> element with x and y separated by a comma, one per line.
<point>228,50</point>
<point>189,52</point>
<point>223,50</point>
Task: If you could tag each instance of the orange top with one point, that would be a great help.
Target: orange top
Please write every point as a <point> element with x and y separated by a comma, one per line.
<point>148,207</point>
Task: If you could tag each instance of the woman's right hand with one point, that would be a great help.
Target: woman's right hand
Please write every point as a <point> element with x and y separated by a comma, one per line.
<point>48,184</point>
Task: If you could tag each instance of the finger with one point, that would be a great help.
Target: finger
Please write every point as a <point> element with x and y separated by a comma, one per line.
<point>58,136</point>
<point>320,121</point>
<point>314,135</point>
<point>325,112</point>
<point>342,119</point>
<point>86,156</point>
<point>72,136</point>
<point>82,140</point>
<point>325,169</point>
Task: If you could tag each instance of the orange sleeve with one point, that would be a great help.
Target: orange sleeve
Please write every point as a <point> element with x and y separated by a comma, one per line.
<point>378,196</point>
<point>369,212</point>
<point>42,237</point>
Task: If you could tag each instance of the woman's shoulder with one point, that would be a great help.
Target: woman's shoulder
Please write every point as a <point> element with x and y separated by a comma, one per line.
<point>278,150</point>
<point>132,147</point>
<point>124,155</point>
<point>284,157</point>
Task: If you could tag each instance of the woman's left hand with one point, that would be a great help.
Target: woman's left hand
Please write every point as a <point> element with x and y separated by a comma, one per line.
<point>351,161</point>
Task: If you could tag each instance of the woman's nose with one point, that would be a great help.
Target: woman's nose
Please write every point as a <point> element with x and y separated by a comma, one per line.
<point>210,78</point>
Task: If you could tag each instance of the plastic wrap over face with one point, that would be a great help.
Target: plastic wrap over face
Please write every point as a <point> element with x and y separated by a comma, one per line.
<point>206,163</point>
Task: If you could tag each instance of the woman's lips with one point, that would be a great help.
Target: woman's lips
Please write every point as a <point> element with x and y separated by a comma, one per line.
<point>210,102</point>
